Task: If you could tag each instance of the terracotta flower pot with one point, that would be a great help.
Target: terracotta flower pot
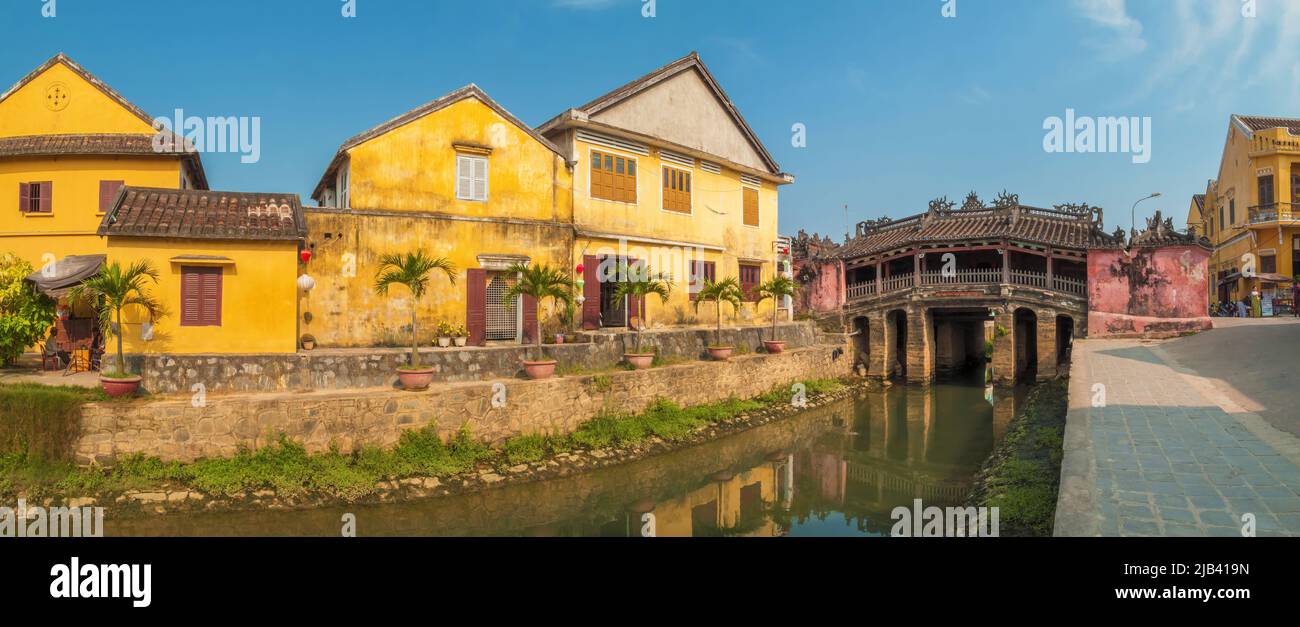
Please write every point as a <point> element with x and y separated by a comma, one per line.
<point>640,361</point>
<point>540,369</point>
<point>720,353</point>
<point>774,348</point>
<point>120,387</point>
<point>415,379</point>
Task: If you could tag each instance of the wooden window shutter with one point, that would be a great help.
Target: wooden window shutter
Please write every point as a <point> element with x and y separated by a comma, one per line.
<point>463,182</point>
<point>47,197</point>
<point>476,305</point>
<point>201,296</point>
<point>211,297</point>
<point>751,206</point>
<point>530,319</point>
<point>24,197</point>
<point>190,305</point>
<point>107,194</point>
<point>480,177</point>
<point>591,292</point>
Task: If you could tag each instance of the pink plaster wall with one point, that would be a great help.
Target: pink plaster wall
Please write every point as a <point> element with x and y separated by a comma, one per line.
<point>1149,292</point>
<point>825,293</point>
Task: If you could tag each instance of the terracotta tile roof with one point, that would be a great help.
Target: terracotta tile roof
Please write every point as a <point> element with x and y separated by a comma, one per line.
<point>193,157</point>
<point>1259,123</point>
<point>468,91</point>
<point>201,214</point>
<point>1067,226</point>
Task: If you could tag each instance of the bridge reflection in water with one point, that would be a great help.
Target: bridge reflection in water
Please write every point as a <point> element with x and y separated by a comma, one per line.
<point>834,470</point>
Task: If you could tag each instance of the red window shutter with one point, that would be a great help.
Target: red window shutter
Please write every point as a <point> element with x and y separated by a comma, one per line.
<point>24,197</point>
<point>530,319</point>
<point>107,194</point>
<point>591,292</point>
<point>190,288</point>
<point>211,297</point>
<point>47,196</point>
<point>476,305</point>
<point>200,296</point>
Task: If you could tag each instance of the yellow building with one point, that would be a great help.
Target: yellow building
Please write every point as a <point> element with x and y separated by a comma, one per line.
<point>667,172</point>
<point>459,177</point>
<point>68,143</point>
<point>1251,211</point>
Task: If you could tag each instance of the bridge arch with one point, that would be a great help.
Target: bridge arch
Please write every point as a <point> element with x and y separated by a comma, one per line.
<point>862,341</point>
<point>1026,344</point>
<point>896,338</point>
<point>1064,338</point>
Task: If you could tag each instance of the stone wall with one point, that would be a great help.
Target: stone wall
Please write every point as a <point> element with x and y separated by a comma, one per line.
<point>177,430</point>
<point>343,369</point>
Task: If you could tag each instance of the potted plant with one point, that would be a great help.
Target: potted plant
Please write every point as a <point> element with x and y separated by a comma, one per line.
<point>308,341</point>
<point>539,282</point>
<point>443,331</point>
<point>414,270</point>
<point>460,337</point>
<point>777,288</point>
<point>639,282</point>
<point>724,291</point>
<point>112,290</point>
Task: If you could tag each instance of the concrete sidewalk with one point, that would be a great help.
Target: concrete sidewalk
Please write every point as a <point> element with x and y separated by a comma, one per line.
<point>1155,449</point>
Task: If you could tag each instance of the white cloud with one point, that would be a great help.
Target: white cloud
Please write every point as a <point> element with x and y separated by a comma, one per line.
<point>1111,16</point>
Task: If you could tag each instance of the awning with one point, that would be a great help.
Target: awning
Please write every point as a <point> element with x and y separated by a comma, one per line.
<point>1231,278</point>
<point>1275,278</point>
<point>66,273</point>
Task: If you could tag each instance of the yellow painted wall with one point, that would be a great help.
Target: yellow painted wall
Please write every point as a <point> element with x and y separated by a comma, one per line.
<point>70,228</point>
<point>346,311</point>
<point>413,168</point>
<point>259,297</point>
<point>1238,180</point>
<point>88,110</point>
<point>673,518</point>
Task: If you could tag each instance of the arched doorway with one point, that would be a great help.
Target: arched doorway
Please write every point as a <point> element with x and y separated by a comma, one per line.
<point>897,322</point>
<point>1026,322</point>
<point>862,341</point>
<point>1064,339</point>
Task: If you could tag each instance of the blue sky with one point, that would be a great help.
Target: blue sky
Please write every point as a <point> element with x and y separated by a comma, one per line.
<point>901,104</point>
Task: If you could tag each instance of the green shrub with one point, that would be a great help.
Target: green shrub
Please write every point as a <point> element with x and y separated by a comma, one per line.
<point>25,314</point>
<point>40,421</point>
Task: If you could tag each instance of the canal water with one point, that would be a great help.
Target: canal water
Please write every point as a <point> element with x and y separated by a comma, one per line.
<point>837,470</point>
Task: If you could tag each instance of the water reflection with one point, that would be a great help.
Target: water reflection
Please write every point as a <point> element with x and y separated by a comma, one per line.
<point>832,471</point>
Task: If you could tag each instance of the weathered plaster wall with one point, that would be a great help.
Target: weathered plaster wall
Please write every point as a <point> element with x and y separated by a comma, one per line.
<point>824,290</point>
<point>177,430</point>
<point>1148,291</point>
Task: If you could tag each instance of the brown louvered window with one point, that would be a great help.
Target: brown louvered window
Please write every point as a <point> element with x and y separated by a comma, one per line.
<point>704,271</point>
<point>36,197</point>
<point>750,277</point>
<point>108,193</point>
<point>200,296</point>
<point>677,190</point>
<point>613,177</point>
<point>751,206</point>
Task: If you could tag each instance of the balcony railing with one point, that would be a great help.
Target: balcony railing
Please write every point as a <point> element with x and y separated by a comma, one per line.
<point>1027,278</point>
<point>1275,212</point>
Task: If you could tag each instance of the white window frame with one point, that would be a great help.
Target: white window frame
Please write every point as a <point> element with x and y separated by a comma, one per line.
<point>343,184</point>
<point>471,181</point>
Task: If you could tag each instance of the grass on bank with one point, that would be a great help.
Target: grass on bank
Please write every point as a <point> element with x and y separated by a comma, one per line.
<point>1024,477</point>
<point>289,470</point>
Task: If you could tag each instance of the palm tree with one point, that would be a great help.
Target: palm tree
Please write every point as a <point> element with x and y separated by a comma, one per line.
<point>412,270</point>
<point>113,289</point>
<point>539,282</point>
<point>724,291</point>
<point>639,282</point>
<point>777,288</point>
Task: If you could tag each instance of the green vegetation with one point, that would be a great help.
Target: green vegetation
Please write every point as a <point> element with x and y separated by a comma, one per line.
<point>25,314</point>
<point>41,422</point>
<point>290,471</point>
<point>112,290</point>
<point>412,270</point>
<point>1022,477</point>
<point>776,288</point>
<point>636,283</point>
<point>724,291</point>
<point>540,282</point>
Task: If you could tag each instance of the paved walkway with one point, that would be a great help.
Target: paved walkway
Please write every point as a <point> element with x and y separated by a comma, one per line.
<point>1168,452</point>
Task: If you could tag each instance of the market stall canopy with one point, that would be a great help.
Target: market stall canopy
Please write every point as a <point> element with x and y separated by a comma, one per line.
<point>1274,278</point>
<point>66,273</point>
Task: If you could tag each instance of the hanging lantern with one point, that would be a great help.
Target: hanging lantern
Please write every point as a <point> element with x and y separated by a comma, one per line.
<point>306,283</point>
<point>305,255</point>
<point>581,269</point>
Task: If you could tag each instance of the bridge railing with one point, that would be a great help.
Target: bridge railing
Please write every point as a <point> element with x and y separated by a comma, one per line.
<point>897,283</point>
<point>862,290</point>
<point>1027,278</point>
<point>1066,284</point>
<point>962,277</point>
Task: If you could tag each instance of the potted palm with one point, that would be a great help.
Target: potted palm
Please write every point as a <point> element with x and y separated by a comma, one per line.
<point>539,282</point>
<point>413,270</point>
<point>110,291</point>
<point>639,282</point>
<point>724,291</point>
<point>776,289</point>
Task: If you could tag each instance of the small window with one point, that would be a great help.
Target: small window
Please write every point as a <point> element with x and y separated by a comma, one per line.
<point>751,206</point>
<point>344,186</point>
<point>677,190</point>
<point>200,296</point>
<point>703,271</point>
<point>613,178</point>
<point>107,194</point>
<point>472,178</point>
<point>1268,264</point>
<point>36,197</point>
<point>1232,211</point>
<point>1267,192</point>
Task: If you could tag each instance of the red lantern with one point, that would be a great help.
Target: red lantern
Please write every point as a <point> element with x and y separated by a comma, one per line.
<point>305,255</point>
<point>581,268</point>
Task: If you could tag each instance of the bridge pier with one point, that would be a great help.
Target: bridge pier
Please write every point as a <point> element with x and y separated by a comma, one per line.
<point>920,345</point>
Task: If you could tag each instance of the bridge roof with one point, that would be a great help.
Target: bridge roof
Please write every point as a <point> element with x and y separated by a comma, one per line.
<point>1065,226</point>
